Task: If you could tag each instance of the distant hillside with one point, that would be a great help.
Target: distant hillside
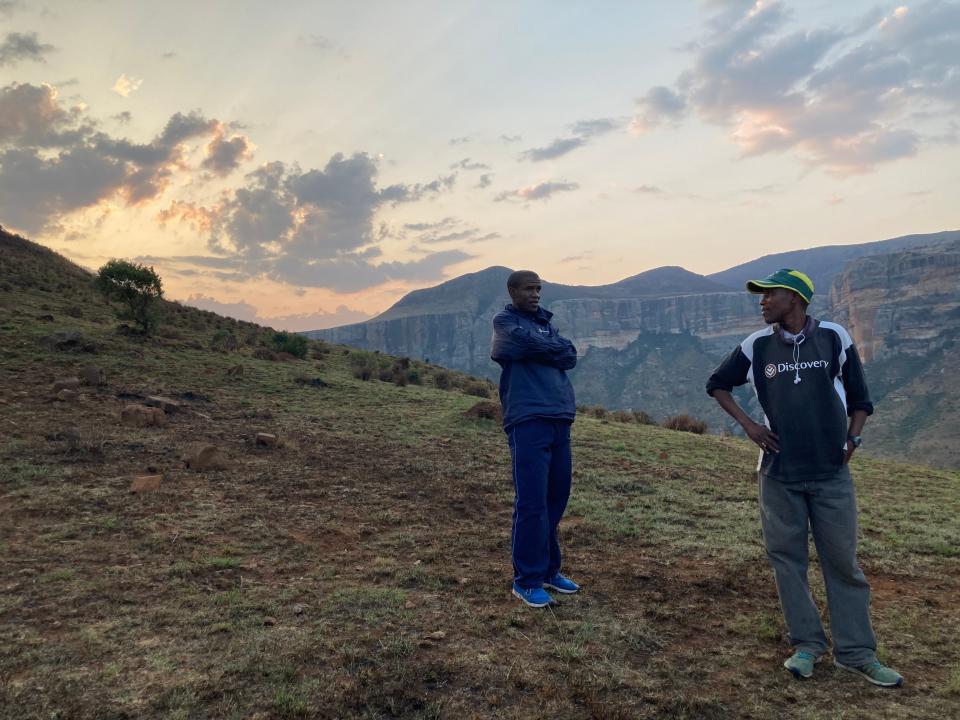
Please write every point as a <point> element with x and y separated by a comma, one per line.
<point>823,263</point>
<point>478,291</point>
<point>648,342</point>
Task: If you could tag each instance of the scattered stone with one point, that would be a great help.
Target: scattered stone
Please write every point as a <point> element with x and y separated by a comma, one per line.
<point>284,357</point>
<point>235,371</point>
<point>45,318</point>
<point>94,376</point>
<point>142,416</point>
<point>68,395</point>
<point>486,410</point>
<point>269,621</point>
<point>300,608</point>
<point>71,436</point>
<point>203,457</point>
<point>266,440</point>
<point>68,341</point>
<point>71,383</point>
<point>409,605</point>
<point>437,635</point>
<point>146,483</point>
<point>168,405</point>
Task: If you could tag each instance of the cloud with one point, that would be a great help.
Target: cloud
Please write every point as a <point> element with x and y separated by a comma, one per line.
<point>468,164</point>
<point>126,85</point>
<point>224,156</point>
<point>594,128</point>
<point>459,140</point>
<point>299,322</point>
<point>9,7</point>
<point>659,105</point>
<point>484,181</point>
<point>583,131</point>
<point>844,99</point>
<point>17,47</point>
<point>542,191</point>
<point>511,138</point>
<point>312,228</point>
<point>55,161</point>
<point>648,190</point>
<point>123,117</point>
<point>558,148</point>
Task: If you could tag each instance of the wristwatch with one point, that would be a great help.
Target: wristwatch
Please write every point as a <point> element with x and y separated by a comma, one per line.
<point>856,440</point>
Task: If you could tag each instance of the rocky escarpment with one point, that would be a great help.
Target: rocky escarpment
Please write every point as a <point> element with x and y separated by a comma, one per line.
<point>905,302</point>
<point>712,317</point>
<point>903,311</point>
<point>461,340</point>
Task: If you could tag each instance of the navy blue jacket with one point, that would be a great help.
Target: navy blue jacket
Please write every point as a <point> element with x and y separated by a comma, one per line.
<point>534,358</point>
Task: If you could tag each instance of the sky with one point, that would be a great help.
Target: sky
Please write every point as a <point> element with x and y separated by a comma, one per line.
<point>306,164</point>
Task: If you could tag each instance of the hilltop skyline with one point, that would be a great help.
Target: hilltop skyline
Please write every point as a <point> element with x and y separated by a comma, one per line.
<point>305,166</point>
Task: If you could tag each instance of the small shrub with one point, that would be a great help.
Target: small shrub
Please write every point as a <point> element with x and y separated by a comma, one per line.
<point>293,343</point>
<point>443,380</point>
<point>413,377</point>
<point>400,377</point>
<point>477,388</point>
<point>485,410</point>
<point>224,340</point>
<point>685,423</point>
<point>643,418</point>
<point>622,416</point>
<point>262,353</point>
<point>597,411</point>
<point>136,287</point>
<point>74,311</point>
<point>364,365</point>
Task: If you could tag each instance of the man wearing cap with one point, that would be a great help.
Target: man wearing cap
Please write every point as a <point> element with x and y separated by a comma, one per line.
<point>809,380</point>
<point>538,409</point>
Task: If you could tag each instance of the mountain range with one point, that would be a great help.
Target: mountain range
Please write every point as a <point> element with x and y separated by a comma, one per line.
<point>649,341</point>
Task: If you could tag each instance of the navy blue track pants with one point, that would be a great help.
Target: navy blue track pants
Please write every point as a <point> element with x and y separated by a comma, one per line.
<point>542,470</point>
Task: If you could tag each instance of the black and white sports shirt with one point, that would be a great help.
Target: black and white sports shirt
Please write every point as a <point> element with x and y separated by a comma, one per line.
<point>809,416</point>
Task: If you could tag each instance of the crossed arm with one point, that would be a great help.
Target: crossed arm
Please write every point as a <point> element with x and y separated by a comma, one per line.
<point>513,342</point>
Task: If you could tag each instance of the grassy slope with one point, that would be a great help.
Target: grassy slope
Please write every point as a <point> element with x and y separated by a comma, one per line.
<point>363,569</point>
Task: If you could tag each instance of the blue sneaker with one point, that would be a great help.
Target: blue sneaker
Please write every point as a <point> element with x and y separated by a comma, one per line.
<point>562,584</point>
<point>533,597</point>
<point>874,672</point>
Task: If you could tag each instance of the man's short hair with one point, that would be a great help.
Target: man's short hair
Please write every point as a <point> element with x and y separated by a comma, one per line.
<point>518,277</point>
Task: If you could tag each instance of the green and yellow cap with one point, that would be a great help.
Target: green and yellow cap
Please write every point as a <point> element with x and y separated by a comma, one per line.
<point>785,278</point>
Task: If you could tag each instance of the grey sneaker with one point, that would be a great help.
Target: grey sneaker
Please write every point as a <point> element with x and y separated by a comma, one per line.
<point>874,672</point>
<point>801,663</point>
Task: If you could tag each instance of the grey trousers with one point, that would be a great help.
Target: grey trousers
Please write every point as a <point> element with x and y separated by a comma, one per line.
<point>829,509</point>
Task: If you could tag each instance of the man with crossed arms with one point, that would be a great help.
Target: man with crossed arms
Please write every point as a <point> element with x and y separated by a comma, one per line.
<point>538,410</point>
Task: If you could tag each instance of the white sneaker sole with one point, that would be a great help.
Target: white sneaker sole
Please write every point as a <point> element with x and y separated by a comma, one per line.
<point>526,602</point>
<point>866,677</point>
<point>548,586</point>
